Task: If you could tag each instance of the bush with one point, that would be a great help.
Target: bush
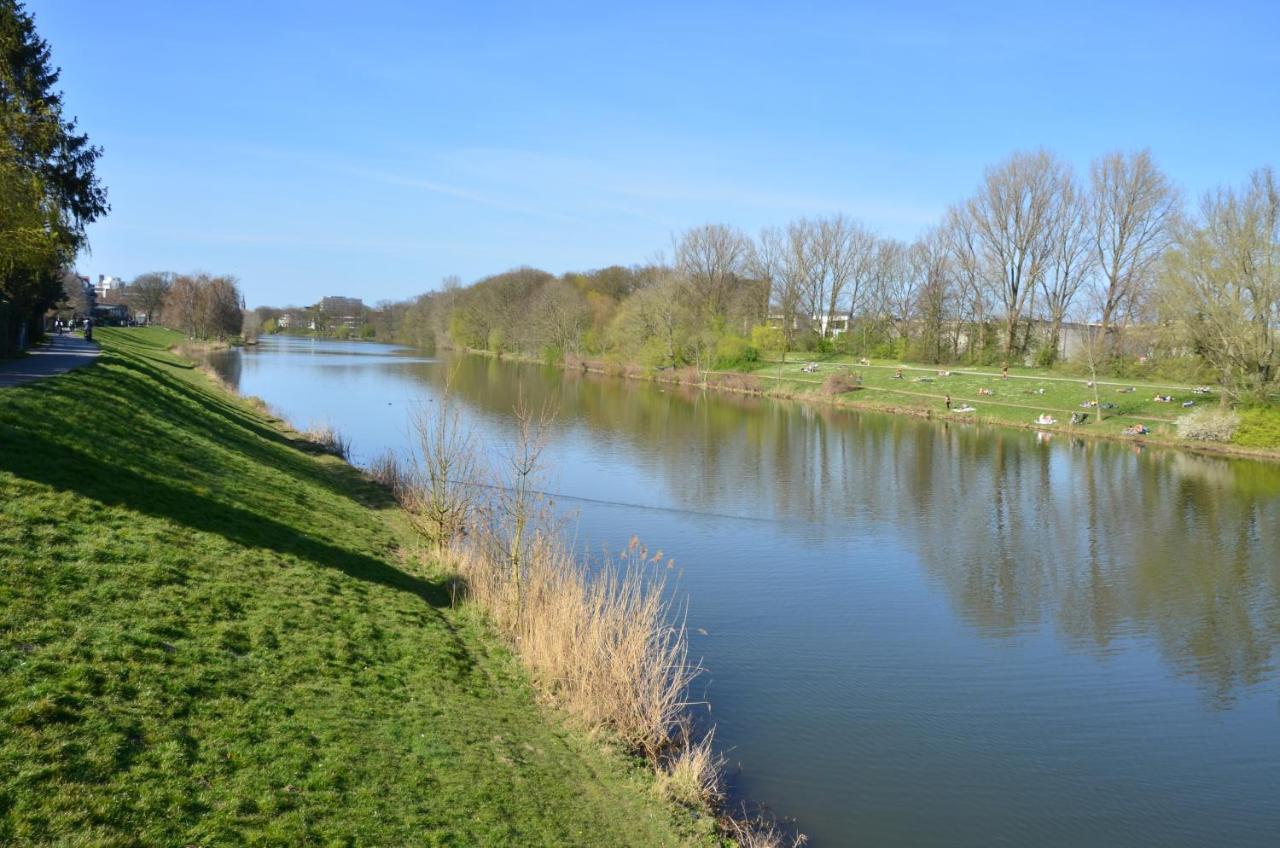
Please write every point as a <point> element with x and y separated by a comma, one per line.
<point>1259,428</point>
<point>838,384</point>
<point>731,351</point>
<point>764,337</point>
<point>1208,424</point>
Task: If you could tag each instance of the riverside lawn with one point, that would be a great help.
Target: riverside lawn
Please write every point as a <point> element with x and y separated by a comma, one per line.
<point>208,635</point>
<point>1028,393</point>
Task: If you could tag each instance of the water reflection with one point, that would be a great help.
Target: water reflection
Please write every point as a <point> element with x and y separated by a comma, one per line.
<point>1099,541</point>
<point>1086,589</point>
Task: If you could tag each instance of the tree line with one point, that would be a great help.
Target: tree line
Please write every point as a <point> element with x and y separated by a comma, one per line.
<point>204,306</point>
<point>1113,253</point>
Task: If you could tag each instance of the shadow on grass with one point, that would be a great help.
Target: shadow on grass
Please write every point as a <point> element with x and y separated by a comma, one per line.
<point>88,476</point>
<point>191,409</point>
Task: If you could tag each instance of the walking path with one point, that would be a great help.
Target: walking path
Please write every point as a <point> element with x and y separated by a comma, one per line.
<point>58,356</point>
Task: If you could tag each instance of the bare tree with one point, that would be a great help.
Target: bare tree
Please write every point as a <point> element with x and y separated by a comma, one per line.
<point>898,287</point>
<point>965,250</point>
<point>442,499</point>
<point>147,293</point>
<point>712,257</point>
<point>1071,257</point>
<point>519,507</point>
<point>205,307</point>
<point>182,304</point>
<point>1134,209</point>
<point>840,259</point>
<point>1222,282</point>
<point>930,268</point>
<point>779,258</point>
<point>1012,215</point>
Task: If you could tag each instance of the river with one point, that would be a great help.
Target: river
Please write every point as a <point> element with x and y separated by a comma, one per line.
<point>915,634</point>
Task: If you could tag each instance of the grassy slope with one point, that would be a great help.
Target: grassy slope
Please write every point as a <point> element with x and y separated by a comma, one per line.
<point>1019,400</point>
<point>207,637</point>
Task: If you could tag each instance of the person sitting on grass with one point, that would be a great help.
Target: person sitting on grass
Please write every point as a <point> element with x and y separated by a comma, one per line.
<point>897,374</point>
<point>1163,399</point>
<point>987,392</point>
<point>1046,418</point>
<point>1136,430</point>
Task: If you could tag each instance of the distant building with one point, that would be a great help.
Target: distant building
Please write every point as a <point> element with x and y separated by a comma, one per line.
<point>107,284</point>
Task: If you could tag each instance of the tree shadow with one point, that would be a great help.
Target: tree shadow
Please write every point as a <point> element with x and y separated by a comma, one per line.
<point>140,385</point>
<point>86,475</point>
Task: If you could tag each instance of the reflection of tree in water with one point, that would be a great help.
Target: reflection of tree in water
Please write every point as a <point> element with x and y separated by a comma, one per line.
<point>1101,542</point>
<point>228,366</point>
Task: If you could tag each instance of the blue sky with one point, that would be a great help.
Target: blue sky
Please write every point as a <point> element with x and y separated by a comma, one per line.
<point>371,149</point>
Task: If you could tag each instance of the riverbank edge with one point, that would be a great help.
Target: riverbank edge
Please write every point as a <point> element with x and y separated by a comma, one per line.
<point>756,829</point>
<point>645,789</point>
<point>632,371</point>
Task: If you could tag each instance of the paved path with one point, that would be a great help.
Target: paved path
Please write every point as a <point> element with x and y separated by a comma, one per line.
<point>59,355</point>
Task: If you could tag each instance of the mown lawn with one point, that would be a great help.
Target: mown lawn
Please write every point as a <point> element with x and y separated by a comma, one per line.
<point>1027,394</point>
<point>208,636</point>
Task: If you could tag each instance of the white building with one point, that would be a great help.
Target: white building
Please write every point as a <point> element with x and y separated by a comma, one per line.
<point>107,283</point>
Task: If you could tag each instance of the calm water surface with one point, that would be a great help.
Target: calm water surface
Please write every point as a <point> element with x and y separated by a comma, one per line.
<point>916,634</point>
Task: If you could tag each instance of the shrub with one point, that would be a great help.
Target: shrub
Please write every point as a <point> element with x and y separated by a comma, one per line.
<point>1259,428</point>
<point>764,337</point>
<point>731,351</point>
<point>839,383</point>
<point>1208,424</point>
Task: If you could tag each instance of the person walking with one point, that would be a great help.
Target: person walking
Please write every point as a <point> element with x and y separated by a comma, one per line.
<point>948,402</point>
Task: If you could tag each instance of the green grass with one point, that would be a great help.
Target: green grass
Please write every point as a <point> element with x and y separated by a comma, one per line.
<point>209,636</point>
<point>1027,393</point>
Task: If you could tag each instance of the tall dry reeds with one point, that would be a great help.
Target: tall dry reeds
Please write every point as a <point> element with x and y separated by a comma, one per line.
<point>603,642</point>
<point>387,470</point>
<point>602,639</point>
<point>328,439</point>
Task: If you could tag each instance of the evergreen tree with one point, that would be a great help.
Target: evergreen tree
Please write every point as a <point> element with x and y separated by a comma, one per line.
<point>47,178</point>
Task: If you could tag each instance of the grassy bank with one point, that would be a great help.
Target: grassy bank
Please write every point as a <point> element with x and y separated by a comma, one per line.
<point>922,391</point>
<point>209,635</point>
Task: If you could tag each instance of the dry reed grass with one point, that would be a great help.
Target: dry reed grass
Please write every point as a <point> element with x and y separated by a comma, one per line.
<point>762,833</point>
<point>601,642</point>
<point>691,774</point>
<point>387,470</point>
<point>329,439</point>
<point>602,639</point>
